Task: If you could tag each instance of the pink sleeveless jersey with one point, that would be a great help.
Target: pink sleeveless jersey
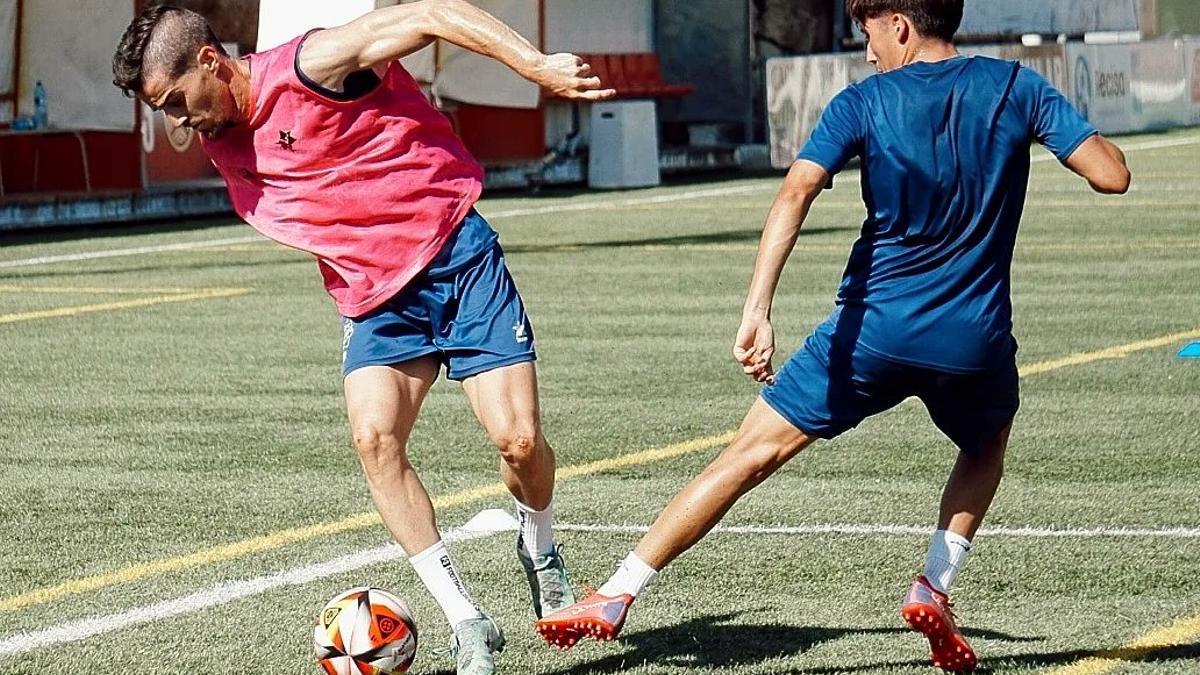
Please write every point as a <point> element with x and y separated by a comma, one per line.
<point>372,187</point>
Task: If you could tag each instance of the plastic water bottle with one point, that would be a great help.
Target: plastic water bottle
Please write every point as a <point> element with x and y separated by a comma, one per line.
<point>41,111</point>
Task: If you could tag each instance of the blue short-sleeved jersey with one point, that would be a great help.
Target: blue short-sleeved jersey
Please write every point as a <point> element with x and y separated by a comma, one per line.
<point>945,166</point>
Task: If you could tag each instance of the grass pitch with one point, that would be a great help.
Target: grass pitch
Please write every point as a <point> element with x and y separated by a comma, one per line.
<point>144,432</point>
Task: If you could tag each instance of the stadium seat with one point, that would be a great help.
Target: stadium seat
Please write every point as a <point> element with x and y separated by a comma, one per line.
<point>634,76</point>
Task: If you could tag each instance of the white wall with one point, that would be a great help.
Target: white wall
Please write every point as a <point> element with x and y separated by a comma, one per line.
<point>68,45</point>
<point>459,75</point>
<point>470,78</point>
<point>280,21</point>
<point>8,25</point>
<point>600,26</point>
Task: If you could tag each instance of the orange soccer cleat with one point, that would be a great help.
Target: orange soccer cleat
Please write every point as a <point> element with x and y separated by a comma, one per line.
<point>596,616</point>
<point>930,613</point>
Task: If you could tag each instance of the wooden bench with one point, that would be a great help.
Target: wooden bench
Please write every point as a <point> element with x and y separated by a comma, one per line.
<point>634,76</point>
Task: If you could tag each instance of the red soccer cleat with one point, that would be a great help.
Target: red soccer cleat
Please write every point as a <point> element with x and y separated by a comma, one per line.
<point>596,616</point>
<point>930,613</point>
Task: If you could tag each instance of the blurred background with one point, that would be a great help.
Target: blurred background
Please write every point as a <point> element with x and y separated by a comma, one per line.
<point>704,85</point>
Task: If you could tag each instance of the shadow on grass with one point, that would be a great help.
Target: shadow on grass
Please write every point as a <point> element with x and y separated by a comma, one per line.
<point>989,666</point>
<point>730,237</point>
<point>1125,655</point>
<point>289,258</point>
<point>713,642</point>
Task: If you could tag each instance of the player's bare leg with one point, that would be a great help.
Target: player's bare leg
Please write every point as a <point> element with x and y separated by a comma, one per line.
<point>972,486</point>
<point>506,402</point>
<point>383,403</point>
<point>763,444</point>
<point>965,501</point>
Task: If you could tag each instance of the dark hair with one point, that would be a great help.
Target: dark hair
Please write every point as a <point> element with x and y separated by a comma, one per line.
<point>933,18</point>
<point>164,37</point>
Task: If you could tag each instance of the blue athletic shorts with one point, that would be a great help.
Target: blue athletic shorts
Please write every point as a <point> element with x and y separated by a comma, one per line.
<point>464,308</point>
<point>825,390</point>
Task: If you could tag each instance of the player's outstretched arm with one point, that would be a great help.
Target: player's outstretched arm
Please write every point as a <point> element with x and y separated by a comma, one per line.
<point>393,32</point>
<point>755,342</point>
<point>1100,162</point>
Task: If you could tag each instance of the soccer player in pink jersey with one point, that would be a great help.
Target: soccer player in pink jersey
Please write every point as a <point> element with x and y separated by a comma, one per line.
<point>329,146</point>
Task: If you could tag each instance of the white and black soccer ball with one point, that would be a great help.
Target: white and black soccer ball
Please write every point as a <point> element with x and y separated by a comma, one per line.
<point>365,631</point>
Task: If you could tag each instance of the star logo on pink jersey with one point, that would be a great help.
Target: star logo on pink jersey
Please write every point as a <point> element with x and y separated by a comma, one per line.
<point>286,140</point>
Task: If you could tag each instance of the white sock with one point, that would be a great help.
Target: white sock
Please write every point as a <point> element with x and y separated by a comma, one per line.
<point>537,530</point>
<point>947,554</point>
<point>436,570</point>
<point>632,577</point>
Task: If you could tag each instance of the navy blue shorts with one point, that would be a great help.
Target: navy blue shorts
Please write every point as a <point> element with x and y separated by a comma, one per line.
<point>825,391</point>
<point>469,315</point>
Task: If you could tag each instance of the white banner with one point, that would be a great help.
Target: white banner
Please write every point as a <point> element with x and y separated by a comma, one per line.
<point>1159,85</point>
<point>1132,87</point>
<point>1048,60</point>
<point>1191,57</point>
<point>1100,85</point>
<point>798,89</point>
<point>1120,88</point>
<point>72,57</point>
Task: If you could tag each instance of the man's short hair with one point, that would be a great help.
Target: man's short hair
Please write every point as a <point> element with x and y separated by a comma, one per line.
<point>162,37</point>
<point>933,18</point>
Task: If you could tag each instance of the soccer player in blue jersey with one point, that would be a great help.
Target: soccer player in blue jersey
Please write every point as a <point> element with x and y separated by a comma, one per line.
<point>924,307</point>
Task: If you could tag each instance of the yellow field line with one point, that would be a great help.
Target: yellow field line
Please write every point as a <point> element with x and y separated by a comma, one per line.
<point>1182,632</point>
<point>269,247</point>
<point>297,535</point>
<point>126,304</point>
<point>1162,204</point>
<point>1113,246</point>
<point>841,248</point>
<point>247,248</point>
<point>1110,353</point>
<point>300,534</point>
<point>97,290</point>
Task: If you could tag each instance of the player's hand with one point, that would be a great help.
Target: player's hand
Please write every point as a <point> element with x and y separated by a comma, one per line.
<point>754,347</point>
<point>567,76</point>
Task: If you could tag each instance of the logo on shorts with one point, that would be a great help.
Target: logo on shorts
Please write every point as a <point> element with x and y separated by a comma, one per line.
<point>347,333</point>
<point>522,332</point>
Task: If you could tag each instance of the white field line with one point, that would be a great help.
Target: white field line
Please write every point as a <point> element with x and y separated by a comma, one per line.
<point>637,201</point>
<point>512,213</point>
<point>486,524</point>
<point>1148,145</point>
<point>125,252</point>
<point>1028,532</point>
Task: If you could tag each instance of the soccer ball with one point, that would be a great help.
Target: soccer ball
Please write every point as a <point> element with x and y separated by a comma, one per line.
<point>365,631</point>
